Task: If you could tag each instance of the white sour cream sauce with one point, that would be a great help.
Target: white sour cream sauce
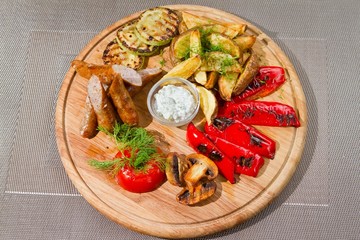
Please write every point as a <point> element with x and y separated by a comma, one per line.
<point>174,103</point>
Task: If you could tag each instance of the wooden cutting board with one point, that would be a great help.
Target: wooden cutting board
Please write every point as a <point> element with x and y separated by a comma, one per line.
<point>157,213</point>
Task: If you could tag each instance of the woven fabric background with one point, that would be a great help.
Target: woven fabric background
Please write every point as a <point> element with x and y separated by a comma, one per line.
<point>39,38</point>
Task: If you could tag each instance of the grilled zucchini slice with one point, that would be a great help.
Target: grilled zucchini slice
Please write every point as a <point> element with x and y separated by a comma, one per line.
<point>157,26</point>
<point>114,54</point>
<point>129,40</point>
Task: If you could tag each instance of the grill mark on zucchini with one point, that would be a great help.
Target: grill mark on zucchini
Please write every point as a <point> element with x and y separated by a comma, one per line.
<point>157,26</point>
<point>129,40</point>
<point>111,54</point>
<point>114,54</point>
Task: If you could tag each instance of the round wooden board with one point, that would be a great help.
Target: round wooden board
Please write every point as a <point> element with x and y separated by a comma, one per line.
<point>157,213</point>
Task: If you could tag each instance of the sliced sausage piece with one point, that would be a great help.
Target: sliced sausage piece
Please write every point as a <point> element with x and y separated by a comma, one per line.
<point>123,102</point>
<point>105,73</point>
<point>89,122</point>
<point>147,75</point>
<point>129,75</point>
<point>105,113</point>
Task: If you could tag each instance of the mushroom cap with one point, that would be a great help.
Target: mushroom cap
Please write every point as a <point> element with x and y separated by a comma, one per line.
<point>176,167</point>
<point>202,168</point>
<point>202,191</point>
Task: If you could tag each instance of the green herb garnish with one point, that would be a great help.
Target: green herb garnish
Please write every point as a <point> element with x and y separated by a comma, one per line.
<point>137,142</point>
<point>281,94</point>
<point>227,62</point>
<point>162,62</point>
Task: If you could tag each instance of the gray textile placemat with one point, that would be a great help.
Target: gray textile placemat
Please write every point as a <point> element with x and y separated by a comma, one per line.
<point>40,38</point>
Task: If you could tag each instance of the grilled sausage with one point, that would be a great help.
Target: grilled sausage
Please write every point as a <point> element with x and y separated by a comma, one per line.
<point>105,73</point>
<point>89,122</point>
<point>123,102</point>
<point>147,75</point>
<point>105,113</point>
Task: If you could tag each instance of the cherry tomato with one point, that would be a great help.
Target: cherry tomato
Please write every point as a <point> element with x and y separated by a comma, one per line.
<point>140,181</point>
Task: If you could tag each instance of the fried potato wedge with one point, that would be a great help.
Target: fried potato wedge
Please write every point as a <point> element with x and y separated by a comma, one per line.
<point>208,103</point>
<point>192,21</point>
<point>212,78</point>
<point>226,85</point>
<point>195,43</point>
<point>186,68</point>
<point>229,29</point>
<point>245,42</point>
<point>223,43</point>
<point>250,70</point>
<point>182,27</point>
<point>196,49</point>
<point>200,77</point>
<point>220,62</point>
<point>180,47</point>
<point>218,28</point>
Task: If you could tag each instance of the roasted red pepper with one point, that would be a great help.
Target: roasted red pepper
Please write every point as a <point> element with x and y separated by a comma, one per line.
<point>267,81</point>
<point>246,162</point>
<point>201,144</point>
<point>241,134</point>
<point>261,113</point>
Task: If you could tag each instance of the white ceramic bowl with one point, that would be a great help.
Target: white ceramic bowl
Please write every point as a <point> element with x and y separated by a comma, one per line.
<point>179,82</point>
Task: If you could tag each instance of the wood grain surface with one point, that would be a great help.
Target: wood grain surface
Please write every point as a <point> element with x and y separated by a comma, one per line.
<point>158,213</point>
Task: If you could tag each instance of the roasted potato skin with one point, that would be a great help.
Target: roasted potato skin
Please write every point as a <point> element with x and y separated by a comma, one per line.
<point>186,68</point>
<point>245,42</point>
<point>226,85</point>
<point>250,70</point>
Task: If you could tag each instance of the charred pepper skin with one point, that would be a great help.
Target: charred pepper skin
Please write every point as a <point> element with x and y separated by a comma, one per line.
<point>246,161</point>
<point>267,81</point>
<point>261,113</point>
<point>201,144</point>
<point>242,135</point>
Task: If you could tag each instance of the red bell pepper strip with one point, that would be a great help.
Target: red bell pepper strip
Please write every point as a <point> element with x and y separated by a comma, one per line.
<point>267,81</point>
<point>242,135</point>
<point>201,144</point>
<point>246,162</point>
<point>261,113</point>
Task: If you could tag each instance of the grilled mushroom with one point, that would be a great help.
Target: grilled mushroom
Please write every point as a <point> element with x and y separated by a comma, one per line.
<point>176,167</point>
<point>202,191</point>
<point>202,168</point>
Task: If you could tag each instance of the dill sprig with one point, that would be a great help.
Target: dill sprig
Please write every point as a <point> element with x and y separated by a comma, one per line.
<point>137,146</point>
